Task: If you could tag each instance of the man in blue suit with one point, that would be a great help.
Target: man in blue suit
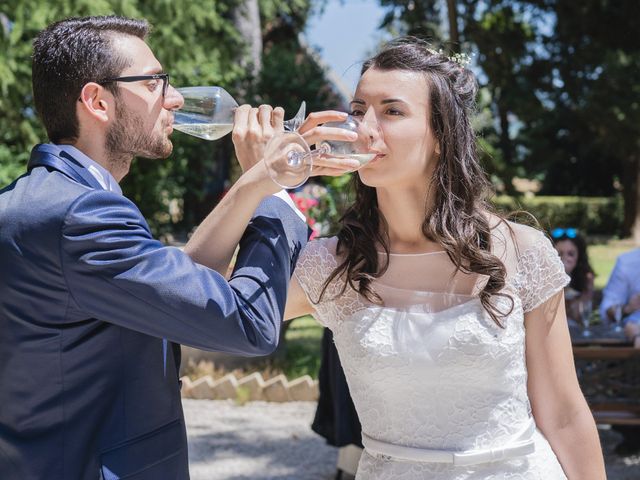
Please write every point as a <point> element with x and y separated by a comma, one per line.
<point>91,306</point>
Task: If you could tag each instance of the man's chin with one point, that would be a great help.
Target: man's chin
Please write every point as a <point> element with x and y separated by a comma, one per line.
<point>161,152</point>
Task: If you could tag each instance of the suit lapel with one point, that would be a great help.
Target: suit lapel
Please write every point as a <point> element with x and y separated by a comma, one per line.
<point>52,157</point>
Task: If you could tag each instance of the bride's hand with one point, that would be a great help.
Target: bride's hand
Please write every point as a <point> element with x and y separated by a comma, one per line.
<point>252,129</point>
<point>313,132</point>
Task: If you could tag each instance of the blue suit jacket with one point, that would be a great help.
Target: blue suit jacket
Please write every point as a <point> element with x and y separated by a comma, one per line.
<point>87,383</point>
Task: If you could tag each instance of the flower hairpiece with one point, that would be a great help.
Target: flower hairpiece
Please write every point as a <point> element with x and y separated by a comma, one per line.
<point>462,59</point>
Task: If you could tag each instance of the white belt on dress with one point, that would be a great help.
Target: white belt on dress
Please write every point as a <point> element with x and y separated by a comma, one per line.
<point>519,445</point>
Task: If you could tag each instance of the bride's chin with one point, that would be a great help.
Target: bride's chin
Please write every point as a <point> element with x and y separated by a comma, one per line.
<point>370,179</point>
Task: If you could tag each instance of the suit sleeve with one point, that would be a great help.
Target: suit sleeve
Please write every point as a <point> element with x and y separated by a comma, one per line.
<point>116,272</point>
<point>616,292</point>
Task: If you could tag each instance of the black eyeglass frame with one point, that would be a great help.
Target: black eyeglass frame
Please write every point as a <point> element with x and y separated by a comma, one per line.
<point>139,78</point>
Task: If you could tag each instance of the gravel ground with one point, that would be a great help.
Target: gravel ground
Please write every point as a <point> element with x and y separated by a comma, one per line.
<point>273,441</point>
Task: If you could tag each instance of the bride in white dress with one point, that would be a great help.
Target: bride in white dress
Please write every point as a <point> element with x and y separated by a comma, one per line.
<point>456,373</point>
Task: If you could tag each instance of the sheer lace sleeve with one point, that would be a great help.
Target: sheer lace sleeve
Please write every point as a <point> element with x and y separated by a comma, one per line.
<point>315,264</point>
<point>540,272</point>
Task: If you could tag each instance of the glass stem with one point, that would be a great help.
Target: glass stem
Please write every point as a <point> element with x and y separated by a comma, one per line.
<point>295,159</point>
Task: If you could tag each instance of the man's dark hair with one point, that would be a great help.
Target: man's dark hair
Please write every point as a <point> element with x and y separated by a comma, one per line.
<point>67,55</point>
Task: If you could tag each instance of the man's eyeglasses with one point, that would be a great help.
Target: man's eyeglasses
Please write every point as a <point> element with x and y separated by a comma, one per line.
<point>564,232</point>
<point>139,78</point>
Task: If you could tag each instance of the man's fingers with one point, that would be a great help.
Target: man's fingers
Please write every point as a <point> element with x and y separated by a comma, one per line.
<point>277,119</point>
<point>240,122</point>
<point>316,118</point>
<point>254,131</point>
<point>264,117</point>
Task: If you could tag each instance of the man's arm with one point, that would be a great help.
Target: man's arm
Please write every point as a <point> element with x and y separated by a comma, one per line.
<point>615,293</point>
<point>116,272</point>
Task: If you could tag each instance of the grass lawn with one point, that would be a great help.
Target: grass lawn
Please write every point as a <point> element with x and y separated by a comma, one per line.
<point>302,352</point>
<point>603,257</point>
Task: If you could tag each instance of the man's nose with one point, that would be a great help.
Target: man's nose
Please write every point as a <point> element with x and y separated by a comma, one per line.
<point>173,100</point>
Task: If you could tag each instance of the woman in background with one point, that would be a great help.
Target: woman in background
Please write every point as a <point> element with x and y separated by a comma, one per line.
<point>572,249</point>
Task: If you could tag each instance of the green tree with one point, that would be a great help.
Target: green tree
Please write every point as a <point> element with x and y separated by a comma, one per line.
<point>197,44</point>
<point>562,80</point>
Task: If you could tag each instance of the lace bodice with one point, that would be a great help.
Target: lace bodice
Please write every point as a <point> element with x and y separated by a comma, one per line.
<point>430,368</point>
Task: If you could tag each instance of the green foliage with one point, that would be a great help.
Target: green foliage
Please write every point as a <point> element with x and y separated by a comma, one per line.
<point>302,353</point>
<point>197,44</point>
<point>289,76</point>
<point>591,215</point>
<point>562,80</point>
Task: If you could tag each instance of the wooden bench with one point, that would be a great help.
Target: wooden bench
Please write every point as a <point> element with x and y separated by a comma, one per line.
<point>609,374</point>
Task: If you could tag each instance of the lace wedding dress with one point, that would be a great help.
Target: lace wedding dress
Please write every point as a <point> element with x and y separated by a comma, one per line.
<point>441,390</point>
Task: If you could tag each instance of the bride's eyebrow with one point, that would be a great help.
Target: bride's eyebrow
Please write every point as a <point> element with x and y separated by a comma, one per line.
<point>386,101</point>
<point>392,100</point>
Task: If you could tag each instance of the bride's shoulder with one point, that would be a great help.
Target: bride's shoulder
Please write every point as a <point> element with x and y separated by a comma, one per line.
<point>320,252</point>
<point>322,245</point>
<point>511,236</point>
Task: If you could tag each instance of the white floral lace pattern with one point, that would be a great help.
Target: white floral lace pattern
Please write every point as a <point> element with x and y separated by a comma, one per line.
<point>450,379</point>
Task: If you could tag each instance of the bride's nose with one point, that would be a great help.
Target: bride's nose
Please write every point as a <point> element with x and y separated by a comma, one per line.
<point>370,116</point>
<point>374,130</point>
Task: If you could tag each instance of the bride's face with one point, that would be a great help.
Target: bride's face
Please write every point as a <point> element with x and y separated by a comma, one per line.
<point>398,100</point>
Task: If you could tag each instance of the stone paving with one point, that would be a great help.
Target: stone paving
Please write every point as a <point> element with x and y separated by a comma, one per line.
<point>273,441</point>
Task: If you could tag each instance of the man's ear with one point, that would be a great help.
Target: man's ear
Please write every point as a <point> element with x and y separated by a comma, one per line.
<point>96,102</point>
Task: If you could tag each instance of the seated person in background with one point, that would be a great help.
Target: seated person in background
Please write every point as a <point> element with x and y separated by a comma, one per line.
<point>622,294</point>
<point>621,297</point>
<point>572,249</point>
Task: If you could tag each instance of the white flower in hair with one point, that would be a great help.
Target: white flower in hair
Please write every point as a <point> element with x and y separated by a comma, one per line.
<point>462,59</point>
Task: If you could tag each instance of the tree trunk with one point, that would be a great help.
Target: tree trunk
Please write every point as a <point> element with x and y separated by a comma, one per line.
<point>505,141</point>
<point>247,20</point>
<point>630,191</point>
<point>454,37</point>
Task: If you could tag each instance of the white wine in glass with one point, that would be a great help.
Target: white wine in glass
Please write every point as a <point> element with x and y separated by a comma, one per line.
<point>208,113</point>
<point>289,159</point>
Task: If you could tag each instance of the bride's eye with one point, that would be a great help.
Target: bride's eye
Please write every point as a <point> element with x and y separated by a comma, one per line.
<point>394,112</point>
<point>356,113</point>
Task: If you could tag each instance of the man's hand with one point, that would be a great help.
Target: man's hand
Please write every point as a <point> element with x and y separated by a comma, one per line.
<point>632,305</point>
<point>252,129</point>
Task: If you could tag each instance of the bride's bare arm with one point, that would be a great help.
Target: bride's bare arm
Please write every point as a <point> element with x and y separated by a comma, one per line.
<point>559,408</point>
<point>215,240</point>
<point>297,302</point>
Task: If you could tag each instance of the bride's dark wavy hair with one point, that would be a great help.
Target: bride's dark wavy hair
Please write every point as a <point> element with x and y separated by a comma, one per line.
<point>458,220</point>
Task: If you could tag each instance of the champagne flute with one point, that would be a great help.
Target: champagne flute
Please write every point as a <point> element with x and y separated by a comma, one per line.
<point>289,159</point>
<point>585,310</point>
<point>208,113</point>
<point>618,318</point>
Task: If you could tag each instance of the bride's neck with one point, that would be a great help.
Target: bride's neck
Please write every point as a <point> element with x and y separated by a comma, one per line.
<point>405,210</point>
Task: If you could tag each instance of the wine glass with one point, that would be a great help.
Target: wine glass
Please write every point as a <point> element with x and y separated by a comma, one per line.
<point>289,159</point>
<point>208,113</point>
<point>585,309</point>
<point>617,315</point>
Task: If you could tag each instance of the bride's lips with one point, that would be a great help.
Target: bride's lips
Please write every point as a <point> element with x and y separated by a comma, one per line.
<point>376,158</point>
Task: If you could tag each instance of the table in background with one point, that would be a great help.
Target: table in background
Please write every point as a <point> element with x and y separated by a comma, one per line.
<point>608,368</point>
